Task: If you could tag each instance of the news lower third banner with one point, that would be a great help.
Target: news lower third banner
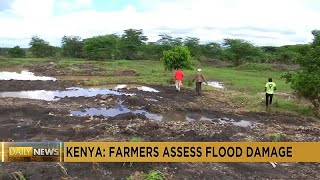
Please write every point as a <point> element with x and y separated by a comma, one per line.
<point>160,151</point>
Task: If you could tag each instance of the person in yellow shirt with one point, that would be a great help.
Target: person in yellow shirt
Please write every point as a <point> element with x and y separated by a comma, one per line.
<point>269,89</point>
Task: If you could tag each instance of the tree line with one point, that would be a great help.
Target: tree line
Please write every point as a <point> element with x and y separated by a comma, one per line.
<point>134,45</point>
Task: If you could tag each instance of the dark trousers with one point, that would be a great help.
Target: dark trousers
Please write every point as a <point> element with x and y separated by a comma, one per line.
<point>269,99</point>
<point>198,87</point>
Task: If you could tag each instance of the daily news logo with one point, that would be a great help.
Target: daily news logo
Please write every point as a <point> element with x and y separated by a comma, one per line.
<point>18,152</point>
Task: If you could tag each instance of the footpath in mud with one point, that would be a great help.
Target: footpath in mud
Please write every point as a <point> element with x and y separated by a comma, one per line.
<point>56,110</point>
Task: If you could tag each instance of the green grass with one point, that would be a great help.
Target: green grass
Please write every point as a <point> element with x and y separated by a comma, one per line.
<point>256,102</point>
<point>14,62</point>
<point>154,175</point>
<point>135,139</point>
<point>277,137</point>
<point>152,72</point>
<point>247,78</point>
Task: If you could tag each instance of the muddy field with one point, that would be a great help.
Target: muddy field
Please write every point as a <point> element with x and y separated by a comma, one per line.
<point>57,110</point>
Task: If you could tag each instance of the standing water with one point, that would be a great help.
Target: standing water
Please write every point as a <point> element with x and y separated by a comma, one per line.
<point>112,112</point>
<point>56,95</point>
<point>172,116</point>
<point>215,84</point>
<point>23,75</point>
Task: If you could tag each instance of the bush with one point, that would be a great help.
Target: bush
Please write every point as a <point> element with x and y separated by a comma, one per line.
<point>17,52</point>
<point>179,57</point>
<point>306,82</point>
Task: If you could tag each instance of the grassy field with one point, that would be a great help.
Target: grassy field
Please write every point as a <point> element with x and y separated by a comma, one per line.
<point>152,72</point>
<point>245,84</point>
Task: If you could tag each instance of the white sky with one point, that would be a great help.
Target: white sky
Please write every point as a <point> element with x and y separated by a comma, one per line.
<point>263,22</point>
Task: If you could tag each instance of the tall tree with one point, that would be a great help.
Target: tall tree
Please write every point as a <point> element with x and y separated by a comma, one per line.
<point>165,40</point>
<point>194,46</point>
<point>211,50</point>
<point>131,43</point>
<point>102,47</point>
<point>41,48</point>
<point>72,46</point>
<point>169,41</point>
<point>239,51</point>
<point>153,51</point>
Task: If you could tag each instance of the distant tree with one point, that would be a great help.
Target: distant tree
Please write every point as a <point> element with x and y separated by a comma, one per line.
<point>4,51</point>
<point>177,41</point>
<point>166,40</point>
<point>131,44</point>
<point>102,47</point>
<point>41,48</point>
<point>72,46</point>
<point>152,51</point>
<point>306,82</point>
<point>211,50</point>
<point>17,52</point>
<point>179,57</point>
<point>194,46</point>
<point>239,51</point>
<point>169,42</point>
<point>287,57</point>
<point>299,48</point>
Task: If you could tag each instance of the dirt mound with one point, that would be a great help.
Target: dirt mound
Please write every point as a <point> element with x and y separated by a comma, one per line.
<point>215,62</point>
<point>126,73</point>
<point>52,69</point>
<point>285,67</point>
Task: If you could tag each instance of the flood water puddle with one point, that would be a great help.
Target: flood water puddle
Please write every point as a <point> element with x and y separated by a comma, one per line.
<point>56,95</point>
<point>112,112</point>
<point>140,88</point>
<point>23,75</point>
<point>242,123</point>
<point>215,84</point>
<point>131,86</point>
<point>173,116</point>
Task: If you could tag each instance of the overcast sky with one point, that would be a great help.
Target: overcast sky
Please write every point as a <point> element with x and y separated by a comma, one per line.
<point>263,22</point>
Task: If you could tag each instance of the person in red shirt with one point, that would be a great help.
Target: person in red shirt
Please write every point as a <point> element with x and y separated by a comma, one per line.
<point>178,76</point>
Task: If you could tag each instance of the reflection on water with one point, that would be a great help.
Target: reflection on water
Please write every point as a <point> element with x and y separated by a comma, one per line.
<point>148,89</point>
<point>242,123</point>
<point>56,95</point>
<point>172,116</point>
<point>23,75</point>
<point>215,84</point>
<point>120,86</point>
<point>112,112</point>
<point>130,86</point>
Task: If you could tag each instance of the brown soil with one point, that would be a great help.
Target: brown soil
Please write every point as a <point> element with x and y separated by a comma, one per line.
<point>51,69</point>
<point>21,85</point>
<point>35,120</point>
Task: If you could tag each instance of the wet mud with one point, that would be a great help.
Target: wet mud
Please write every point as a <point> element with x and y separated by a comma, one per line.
<point>165,115</point>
